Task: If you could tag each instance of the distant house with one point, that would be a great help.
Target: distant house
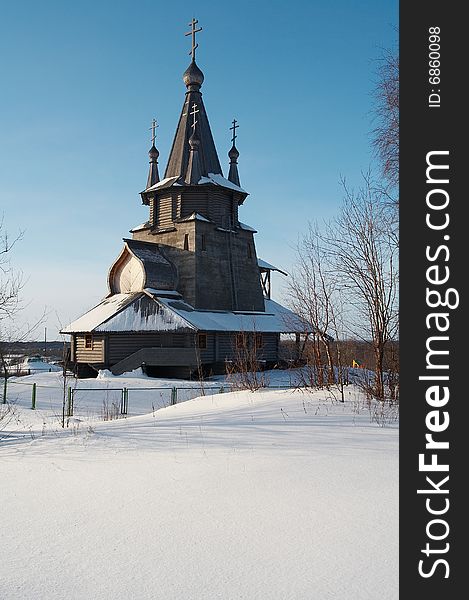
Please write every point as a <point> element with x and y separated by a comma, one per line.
<point>188,290</point>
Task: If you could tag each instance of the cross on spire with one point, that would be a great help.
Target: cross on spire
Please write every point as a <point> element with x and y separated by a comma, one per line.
<point>153,127</point>
<point>192,32</point>
<point>234,128</point>
<point>193,112</point>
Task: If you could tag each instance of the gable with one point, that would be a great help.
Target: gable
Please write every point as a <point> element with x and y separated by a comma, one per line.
<point>129,275</point>
<point>140,265</point>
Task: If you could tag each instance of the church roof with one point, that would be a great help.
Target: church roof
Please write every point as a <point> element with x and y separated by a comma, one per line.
<point>210,178</point>
<point>246,227</point>
<point>179,156</point>
<point>195,216</point>
<point>147,311</point>
<point>153,175</point>
<point>100,313</point>
<point>275,319</point>
<point>157,271</point>
<point>265,266</point>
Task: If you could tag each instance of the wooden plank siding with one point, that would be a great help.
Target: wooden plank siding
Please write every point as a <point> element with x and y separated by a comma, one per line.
<point>164,211</point>
<point>227,347</point>
<point>220,346</point>
<point>208,354</point>
<point>89,355</point>
<point>111,348</point>
<point>121,345</point>
<point>221,209</point>
<point>195,201</point>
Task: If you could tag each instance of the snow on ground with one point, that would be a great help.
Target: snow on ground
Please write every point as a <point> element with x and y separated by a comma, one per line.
<point>92,398</point>
<point>270,495</point>
<point>34,365</point>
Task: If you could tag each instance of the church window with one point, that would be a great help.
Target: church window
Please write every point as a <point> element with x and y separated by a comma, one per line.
<point>186,241</point>
<point>202,341</point>
<point>88,341</point>
<point>240,341</point>
<point>249,250</point>
<point>203,242</point>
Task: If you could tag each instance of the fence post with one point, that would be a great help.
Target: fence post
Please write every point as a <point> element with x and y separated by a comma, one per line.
<point>69,402</point>
<point>222,390</point>
<point>5,390</point>
<point>174,396</point>
<point>33,397</point>
<point>124,401</point>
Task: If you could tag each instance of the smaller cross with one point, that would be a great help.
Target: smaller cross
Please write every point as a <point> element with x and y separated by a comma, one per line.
<point>234,128</point>
<point>192,32</point>
<point>153,127</point>
<point>193,112</point>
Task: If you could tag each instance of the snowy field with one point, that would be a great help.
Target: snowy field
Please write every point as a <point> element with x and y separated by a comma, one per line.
<point>277,494</point>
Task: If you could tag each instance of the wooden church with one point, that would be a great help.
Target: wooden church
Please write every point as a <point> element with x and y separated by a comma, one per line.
<point>188,290</point>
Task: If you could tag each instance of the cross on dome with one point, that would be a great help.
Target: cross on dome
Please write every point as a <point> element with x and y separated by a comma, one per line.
<point>153,127</point>
<point>234,128</point>
<point>192,33</point>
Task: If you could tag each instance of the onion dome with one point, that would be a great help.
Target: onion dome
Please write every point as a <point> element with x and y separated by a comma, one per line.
<point>193,76</point>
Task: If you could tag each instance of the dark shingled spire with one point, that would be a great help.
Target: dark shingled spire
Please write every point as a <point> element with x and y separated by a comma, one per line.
<point>153,175</point>
<point>233,175</point>
<point>233,155</point>
<point>207,154</point>
<point>194,171</point>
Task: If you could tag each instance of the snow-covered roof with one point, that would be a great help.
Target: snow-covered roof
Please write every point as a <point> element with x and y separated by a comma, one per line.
<point>195,216</point>
<point>140,312</point>
<point>212,178</point>
<point>275,319</point>
<point>140,227</point>
<point>145,314</point>
<point>247,227</point>
<point>265,265</point>
<point>128,312</point>
<point>153,292</point>
<point>218,179</point>
<point>100,313</point>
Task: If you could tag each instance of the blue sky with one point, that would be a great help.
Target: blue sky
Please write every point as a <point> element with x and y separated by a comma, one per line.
<point>81,82</point>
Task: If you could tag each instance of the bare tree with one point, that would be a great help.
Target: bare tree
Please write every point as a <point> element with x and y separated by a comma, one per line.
<point>11,282</point>
<point>245,370</point>
<point>337,327</point>
<point>10,286</point>
<point>361,242</point>
<point>311,292</point>
<point>385,135</point>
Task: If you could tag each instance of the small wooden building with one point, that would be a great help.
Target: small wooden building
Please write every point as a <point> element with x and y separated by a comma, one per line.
<point>188,290</point>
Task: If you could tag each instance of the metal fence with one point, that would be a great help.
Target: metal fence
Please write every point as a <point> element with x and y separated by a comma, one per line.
<point>107,402</point>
